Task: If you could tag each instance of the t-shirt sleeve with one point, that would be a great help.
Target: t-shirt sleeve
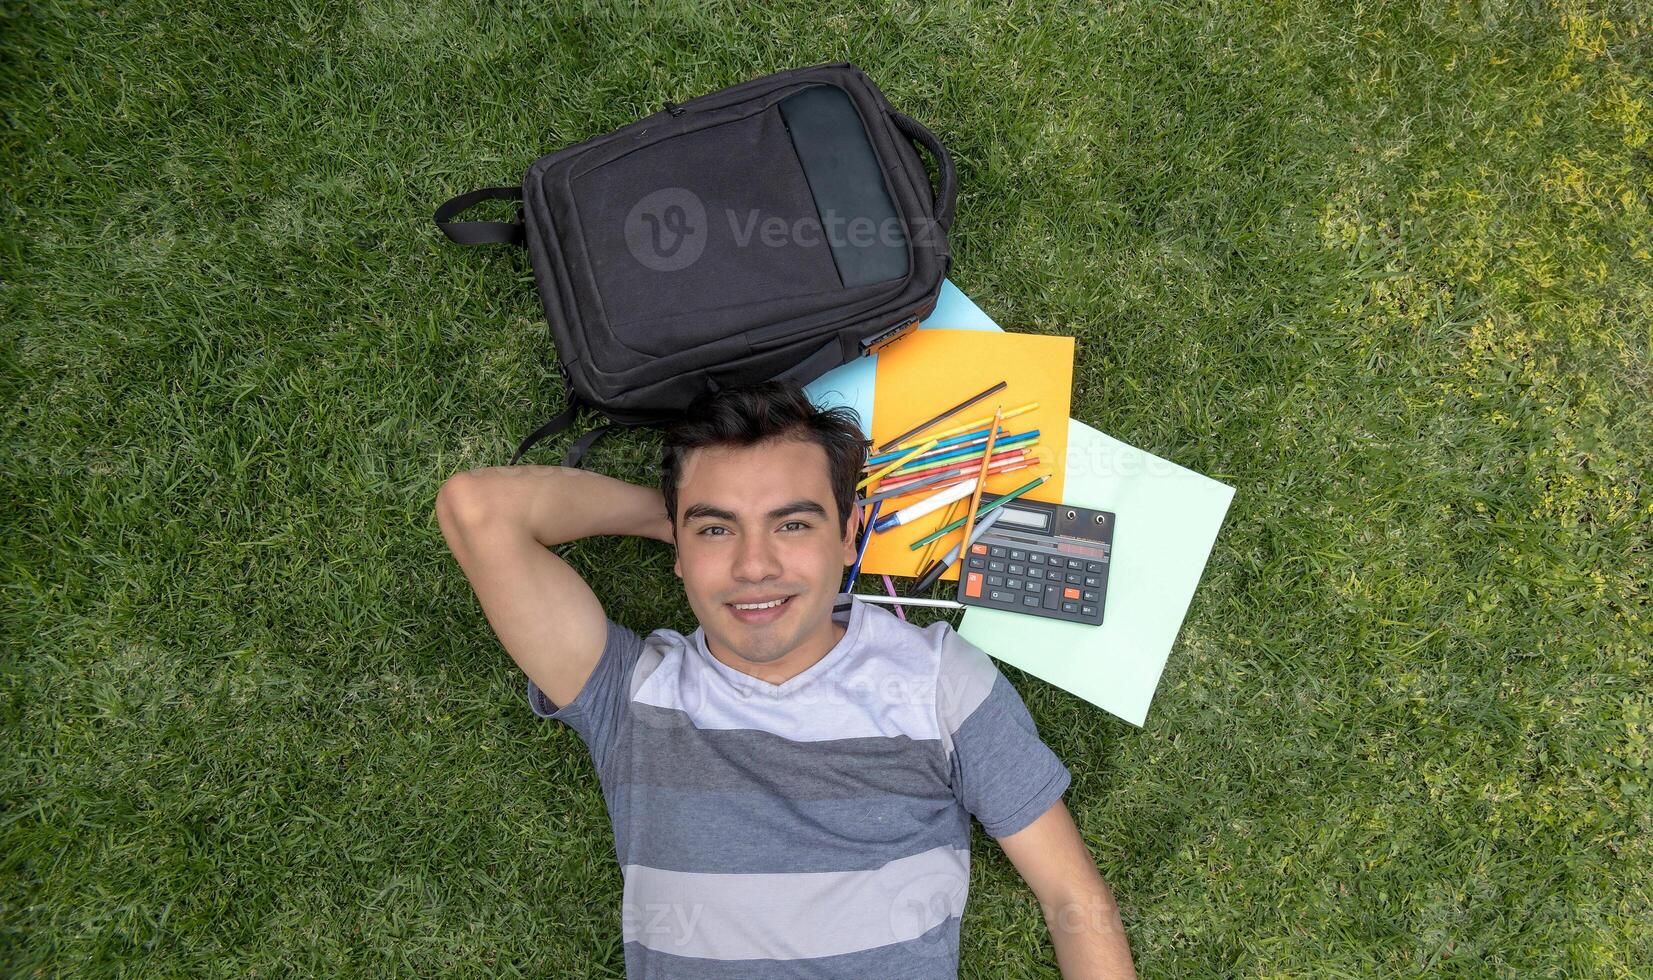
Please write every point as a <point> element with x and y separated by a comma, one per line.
<point>598,711</point>
<point>1001,771</point>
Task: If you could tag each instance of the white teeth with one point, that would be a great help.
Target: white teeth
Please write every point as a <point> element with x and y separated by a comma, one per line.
<point>759,605</point>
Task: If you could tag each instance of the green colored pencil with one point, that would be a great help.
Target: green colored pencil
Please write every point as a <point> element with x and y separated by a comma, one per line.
<point>995,505</point>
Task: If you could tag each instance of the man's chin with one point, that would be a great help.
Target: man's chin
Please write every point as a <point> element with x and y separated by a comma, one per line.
<point>759,653</point>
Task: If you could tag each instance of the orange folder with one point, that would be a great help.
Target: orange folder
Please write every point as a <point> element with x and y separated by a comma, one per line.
<point>928,371</point>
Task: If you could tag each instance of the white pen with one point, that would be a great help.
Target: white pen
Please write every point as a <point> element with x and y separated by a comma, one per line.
<point>935,501</point>
<point>891,600</point>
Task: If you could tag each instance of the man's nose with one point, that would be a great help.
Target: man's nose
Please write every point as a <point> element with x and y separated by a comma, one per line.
<point>755,560</point>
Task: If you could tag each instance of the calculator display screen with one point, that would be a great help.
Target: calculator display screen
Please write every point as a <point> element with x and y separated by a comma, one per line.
<point>1025,518</point>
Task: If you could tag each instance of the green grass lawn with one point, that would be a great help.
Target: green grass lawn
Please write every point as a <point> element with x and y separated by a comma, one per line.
<point>1384,268</point>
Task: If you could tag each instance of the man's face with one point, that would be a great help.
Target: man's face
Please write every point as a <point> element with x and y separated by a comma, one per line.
<point>755,524</point>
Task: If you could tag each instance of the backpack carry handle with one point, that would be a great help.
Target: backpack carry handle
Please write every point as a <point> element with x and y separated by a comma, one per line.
<point>480,232</point>
<point>946,196</point>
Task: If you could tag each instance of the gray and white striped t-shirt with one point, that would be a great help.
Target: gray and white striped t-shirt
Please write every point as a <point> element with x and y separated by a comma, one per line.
<point>816,828</point>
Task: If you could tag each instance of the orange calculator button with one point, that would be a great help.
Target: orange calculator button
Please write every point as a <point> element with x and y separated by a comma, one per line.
<point>1070,593</point>
<point>978,549</point>
<point>972,585</point>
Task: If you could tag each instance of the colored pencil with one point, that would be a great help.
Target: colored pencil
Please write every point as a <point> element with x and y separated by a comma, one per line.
<point>960,455</point>
<point>967,450</point>
<point>995,505</point>
<point>906,488</point>
<point>957,466</point>
<point>967,437</point>
<point>981,478</point>
<point>961,406</point>
<point>969,466</point>
<point>967,463</point>
<point>970,440</point>
<point>881,473</point>
<point>950,470</point>
<point>1008,466</point>
<point>889,587</point>
<point>978,423</point>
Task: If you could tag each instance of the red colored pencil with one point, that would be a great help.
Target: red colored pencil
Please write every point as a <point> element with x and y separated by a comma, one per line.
<point>970,466</point>
<point>994,470</point>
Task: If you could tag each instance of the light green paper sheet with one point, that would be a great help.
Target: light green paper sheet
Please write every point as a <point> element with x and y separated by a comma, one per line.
<point>1167,518</point>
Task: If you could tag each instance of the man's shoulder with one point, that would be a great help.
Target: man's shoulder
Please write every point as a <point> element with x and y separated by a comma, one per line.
<point>641,653</point>
<point>881,625</point>
<point>949,651</point>
<point>663,637</point>
<point>964,673</point>
<point>958,675</point>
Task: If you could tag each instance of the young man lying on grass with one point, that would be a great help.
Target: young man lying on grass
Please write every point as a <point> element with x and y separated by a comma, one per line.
<point>790,786</point>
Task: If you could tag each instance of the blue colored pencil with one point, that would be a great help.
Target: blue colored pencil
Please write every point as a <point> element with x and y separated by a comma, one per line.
<point>921,462</point>
<point>860,553</point>
<point>943,444</point>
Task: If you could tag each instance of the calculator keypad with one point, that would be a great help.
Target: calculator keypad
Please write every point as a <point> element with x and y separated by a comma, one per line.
<point>1039,579</point>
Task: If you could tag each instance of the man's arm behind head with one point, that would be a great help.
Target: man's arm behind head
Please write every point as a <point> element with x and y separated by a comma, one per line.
<point>500,522</point>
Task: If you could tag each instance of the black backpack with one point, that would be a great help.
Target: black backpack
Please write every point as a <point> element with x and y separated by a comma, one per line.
<point>771,230</point>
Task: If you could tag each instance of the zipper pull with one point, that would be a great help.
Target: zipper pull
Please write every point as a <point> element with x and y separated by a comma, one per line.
<point>675,109</point>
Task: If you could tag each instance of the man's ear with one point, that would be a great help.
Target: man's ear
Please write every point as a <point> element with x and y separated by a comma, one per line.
<point>854,532</point>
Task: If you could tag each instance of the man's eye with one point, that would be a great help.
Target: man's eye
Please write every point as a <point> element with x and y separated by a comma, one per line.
<point>722,531</point>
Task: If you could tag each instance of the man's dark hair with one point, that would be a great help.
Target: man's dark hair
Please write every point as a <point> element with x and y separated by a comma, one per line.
<point>750,414</point>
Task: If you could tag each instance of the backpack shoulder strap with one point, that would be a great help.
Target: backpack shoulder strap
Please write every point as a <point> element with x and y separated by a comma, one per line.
<point>563,419</point>
<point>581,445</point>
<point>576,452</point>
<point>558,423</point>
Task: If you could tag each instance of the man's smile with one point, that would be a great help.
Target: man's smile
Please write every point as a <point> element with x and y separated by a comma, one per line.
<point>758,611</point>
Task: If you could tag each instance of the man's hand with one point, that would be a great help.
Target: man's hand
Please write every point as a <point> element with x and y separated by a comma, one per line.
<point>1078,906</point>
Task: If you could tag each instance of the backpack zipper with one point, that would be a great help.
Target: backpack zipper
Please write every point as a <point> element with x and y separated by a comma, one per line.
<point>888,336</point>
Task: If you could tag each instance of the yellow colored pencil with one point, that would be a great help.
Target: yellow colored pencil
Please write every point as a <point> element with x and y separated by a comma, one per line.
<point>978,423</point>
<point>874,478</point>
<point>981,481</point>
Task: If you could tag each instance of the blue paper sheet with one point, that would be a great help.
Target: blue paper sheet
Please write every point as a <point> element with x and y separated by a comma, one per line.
<point>852,384</point>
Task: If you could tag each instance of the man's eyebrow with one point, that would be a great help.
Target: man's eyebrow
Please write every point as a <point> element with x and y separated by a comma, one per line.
<point>798,507</point>
<point>706,512</point>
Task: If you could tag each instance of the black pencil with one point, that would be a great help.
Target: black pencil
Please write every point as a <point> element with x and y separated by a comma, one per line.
<point>961,406</point>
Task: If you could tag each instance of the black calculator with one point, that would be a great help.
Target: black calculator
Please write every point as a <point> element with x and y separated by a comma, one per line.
<point>1041,559</point>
